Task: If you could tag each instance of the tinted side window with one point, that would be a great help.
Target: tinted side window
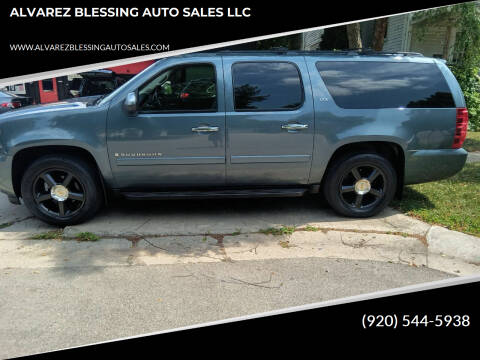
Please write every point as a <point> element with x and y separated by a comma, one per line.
<point>180,88</point>
<point>266,86</point>
<point>374,85</point>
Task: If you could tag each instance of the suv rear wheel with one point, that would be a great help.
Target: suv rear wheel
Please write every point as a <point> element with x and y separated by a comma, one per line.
<point>360,185</point>
<point>62,190</point>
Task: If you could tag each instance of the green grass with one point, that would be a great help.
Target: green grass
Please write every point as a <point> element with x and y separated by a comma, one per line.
<point>284,230</point>
<point>86,236</point>
<point>311,228</point>
<point>54,234</point>
<point>453,203</point>
<point>472,142</point>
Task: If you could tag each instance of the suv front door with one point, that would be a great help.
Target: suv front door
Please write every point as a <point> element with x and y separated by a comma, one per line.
<point>269,119</point>
<point>177,136</point>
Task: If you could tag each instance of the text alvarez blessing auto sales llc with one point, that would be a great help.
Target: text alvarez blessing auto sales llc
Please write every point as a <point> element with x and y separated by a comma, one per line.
<point>112,12</point>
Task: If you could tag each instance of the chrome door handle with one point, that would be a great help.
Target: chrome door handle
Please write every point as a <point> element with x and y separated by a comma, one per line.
<point>205,129</point>
<point>294,127</point>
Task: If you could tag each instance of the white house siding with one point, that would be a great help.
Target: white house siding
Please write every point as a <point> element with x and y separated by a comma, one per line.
<point>311,40</point>
<point>397,33</point>
<point>434,41</point>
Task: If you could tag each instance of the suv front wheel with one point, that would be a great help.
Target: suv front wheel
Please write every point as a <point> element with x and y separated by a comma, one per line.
<point>62,190</point>
<point>360,185</point>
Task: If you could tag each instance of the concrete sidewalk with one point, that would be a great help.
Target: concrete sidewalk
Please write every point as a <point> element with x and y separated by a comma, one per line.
<point>172,232</point>
<point>162,265</point>
<point>473,156</point>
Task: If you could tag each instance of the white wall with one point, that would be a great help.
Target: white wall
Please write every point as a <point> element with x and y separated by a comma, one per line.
<point>311,39</point>
<point>397,33</point>
<point>434,40</point>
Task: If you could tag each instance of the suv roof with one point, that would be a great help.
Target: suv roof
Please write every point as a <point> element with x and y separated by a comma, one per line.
<point>351,52</point>
<point>364,54</point>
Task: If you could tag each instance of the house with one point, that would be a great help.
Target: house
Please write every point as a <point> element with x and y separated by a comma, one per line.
<point>311,40</point>
<point>405,33</point>
<point>64,87</point>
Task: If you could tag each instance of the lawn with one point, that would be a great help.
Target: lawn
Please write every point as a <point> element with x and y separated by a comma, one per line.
<point>472,142</point>
<point>453,203</point>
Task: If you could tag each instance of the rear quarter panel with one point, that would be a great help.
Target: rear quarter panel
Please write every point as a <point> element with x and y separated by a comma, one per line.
<point>410,128</point>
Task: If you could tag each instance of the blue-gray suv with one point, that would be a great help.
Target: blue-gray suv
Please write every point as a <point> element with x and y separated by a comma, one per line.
<point>355,126</point>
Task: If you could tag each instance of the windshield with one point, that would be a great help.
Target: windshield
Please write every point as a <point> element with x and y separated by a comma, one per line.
<point>103,99</point>
<point>4,93</point>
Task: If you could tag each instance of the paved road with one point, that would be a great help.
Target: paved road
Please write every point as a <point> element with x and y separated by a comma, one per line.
<point>52,308</point>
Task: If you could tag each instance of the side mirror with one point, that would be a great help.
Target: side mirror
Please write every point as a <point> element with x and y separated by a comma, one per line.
<point>130,103</point>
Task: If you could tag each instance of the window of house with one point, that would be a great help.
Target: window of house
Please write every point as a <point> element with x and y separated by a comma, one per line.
<point>47,85</point>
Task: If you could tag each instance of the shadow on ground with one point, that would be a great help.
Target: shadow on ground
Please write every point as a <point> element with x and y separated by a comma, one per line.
<point>412,200</point>
<point>181,231</point>
<point>189,206</point>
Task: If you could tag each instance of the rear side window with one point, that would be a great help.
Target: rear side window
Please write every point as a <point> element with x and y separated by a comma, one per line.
<point>375,85</point>
<point>266,86</point>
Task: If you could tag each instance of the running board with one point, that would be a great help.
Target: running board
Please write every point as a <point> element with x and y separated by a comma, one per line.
<point>247,193</point>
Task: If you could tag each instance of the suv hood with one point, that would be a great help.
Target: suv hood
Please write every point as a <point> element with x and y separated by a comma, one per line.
<point>42,108</point>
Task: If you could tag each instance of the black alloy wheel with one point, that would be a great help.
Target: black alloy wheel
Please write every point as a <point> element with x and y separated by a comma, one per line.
<point>58,192</point>
<point>62,189</point>
<point>360,185</point>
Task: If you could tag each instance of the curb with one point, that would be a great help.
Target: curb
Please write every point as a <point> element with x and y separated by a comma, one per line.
<point>453,243</point>
<point>473,156</point>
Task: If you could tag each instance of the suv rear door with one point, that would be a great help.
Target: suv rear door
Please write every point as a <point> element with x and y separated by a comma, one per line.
<point>269,120</point>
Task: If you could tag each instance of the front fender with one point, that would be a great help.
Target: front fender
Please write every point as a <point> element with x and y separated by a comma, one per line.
<point>77,127</point>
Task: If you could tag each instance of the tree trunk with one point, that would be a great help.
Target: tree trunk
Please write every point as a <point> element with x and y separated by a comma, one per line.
<point>353,35</point>
<point>448,41</point>
<point>379,33</point>
<point>295,42</point>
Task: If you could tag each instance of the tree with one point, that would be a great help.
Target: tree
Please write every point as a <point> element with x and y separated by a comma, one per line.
<point>353,35</point>
<point>334,38</point>
<point>465,64</point>
<point>379,33</point>
<point>291,42</point>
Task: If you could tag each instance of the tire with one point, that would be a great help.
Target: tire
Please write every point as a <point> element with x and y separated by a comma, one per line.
<point>360,185</point>
<point>43,187</point>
